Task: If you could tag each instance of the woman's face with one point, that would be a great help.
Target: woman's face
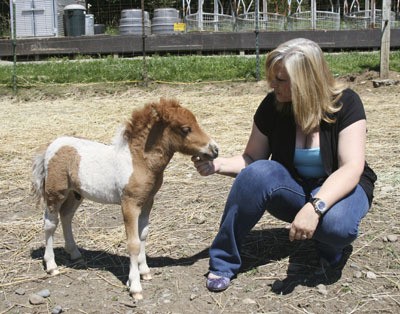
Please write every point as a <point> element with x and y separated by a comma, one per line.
<point>281,84</point>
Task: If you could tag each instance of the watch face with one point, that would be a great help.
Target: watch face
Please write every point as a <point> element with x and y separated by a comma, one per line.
<point>321,206</point>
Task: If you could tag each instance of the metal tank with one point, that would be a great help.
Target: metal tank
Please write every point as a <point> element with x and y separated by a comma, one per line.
<point>131,22</point>
<point>164,20</point>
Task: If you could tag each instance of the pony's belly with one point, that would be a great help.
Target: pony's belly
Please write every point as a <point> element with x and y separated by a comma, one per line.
<point>103,185</point>
<point>103,197</point>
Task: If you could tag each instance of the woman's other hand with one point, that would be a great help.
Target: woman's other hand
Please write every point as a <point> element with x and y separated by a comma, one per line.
<point>304,224</point>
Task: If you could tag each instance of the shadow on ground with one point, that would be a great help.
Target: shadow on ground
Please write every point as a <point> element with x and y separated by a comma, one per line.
<point>260,247</point>
<point>266,246</point>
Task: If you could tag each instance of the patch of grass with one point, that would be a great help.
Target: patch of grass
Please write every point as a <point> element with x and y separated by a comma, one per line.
<point>353,62</point>
<point>198,68</point>
<point>358,62</point>
<point>395,61</point>
<point>171,68</point>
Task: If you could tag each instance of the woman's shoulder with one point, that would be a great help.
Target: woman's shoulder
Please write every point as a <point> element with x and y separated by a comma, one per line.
<point>349,100</point>
<point>352,108</point>
<point>348,95</point>
<point>268,104</point>
<point>265,116</point>
<point>269,99</point>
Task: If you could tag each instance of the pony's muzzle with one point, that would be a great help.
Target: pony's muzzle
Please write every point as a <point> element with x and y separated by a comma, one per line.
<point>211,152</point>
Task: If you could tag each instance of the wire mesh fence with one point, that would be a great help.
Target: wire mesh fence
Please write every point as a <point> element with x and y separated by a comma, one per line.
<point>209,22</point>
<point>365,19</point>
<point>266,22</point>
<point>46,18</point>
<point>324,20</point>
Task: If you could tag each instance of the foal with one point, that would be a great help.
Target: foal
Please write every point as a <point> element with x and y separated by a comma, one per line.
<point>129,172</point>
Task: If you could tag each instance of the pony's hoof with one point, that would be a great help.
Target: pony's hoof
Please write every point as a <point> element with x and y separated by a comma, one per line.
<point>137,296</point>
<point>53,272</point>
<point>146,276</point>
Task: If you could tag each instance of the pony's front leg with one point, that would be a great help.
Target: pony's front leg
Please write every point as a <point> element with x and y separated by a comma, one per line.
<point>144,269</point>
<point>131,214</point>
<point>50,226</point>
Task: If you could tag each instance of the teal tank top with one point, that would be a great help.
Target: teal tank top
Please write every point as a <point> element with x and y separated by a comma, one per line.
<point>308,162</point>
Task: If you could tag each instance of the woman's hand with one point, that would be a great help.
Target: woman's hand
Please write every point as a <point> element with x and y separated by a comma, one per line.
<point>257,148</point>
<point>204,167</point>
<point>304,224</point>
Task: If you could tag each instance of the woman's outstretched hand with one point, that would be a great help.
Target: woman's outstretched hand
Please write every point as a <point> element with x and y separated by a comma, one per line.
<point>204,167</point>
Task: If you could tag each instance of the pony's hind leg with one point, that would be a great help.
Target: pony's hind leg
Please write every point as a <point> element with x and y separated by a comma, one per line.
<point>67,212</point>
<point>50,226</point>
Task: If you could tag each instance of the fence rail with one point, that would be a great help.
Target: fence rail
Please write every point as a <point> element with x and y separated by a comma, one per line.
<point>199,42</point>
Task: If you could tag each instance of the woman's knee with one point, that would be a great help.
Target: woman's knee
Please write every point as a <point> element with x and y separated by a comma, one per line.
<point>266,184</point>
<point>260,174</point>
<point>336,234</point>
<point>341,226</point>
<point>250,189</point>
<point>341,222</point>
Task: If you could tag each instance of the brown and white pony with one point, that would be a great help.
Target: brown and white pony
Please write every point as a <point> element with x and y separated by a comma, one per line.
<point>128,172</point>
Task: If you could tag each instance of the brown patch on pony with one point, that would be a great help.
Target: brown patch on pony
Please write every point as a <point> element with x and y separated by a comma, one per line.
<point>62,174</point>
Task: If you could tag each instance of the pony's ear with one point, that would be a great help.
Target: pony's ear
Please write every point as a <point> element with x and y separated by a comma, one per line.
<point>169,103</point>
<point>127,132</point>
<point>155,113</point>
<point>164,107</point>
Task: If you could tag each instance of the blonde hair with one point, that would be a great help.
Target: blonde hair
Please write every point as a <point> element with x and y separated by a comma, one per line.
<point>314,89</point>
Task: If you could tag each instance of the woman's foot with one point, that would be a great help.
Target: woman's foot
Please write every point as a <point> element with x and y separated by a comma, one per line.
<point>217,283</point>
<point>335,261</point>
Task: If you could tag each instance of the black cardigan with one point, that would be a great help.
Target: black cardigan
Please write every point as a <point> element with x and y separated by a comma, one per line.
<point>280,128</point>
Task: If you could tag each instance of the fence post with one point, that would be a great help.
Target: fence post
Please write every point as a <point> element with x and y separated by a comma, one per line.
<point>385,40</point>
<point>14,45</point>
<point>144,46</point>
<point>257,20</point>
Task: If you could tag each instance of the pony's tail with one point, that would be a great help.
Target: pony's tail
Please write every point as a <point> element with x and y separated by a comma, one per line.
<point>38,177</point>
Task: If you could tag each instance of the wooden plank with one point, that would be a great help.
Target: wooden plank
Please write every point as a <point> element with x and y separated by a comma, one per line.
<point>234,42</point>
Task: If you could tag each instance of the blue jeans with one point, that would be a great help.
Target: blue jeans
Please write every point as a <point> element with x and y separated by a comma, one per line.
<point>267,185</point>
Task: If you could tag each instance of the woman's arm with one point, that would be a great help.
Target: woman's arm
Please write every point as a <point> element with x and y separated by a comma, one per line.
<point>351,152</point>
<point>257,148</point>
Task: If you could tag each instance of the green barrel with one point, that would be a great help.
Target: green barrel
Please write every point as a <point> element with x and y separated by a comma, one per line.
<point>74,20</point>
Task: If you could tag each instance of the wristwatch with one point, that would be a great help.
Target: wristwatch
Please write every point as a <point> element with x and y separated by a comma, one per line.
<point>319,206</point>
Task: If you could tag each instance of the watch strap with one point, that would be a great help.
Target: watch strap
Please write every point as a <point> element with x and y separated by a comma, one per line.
<point>314,201</point>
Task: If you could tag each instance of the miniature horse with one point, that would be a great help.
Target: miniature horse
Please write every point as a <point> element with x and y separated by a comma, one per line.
<point>129,172</point>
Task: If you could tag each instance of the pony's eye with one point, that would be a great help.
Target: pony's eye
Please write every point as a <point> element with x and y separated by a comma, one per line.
<point>186,130</point>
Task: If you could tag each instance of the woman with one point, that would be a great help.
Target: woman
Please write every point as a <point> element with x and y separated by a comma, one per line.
<point>304,162</point>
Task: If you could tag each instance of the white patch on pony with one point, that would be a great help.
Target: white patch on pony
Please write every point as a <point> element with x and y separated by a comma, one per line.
<point>104,170</point>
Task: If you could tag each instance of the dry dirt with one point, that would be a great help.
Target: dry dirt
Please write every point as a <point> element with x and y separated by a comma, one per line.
<point>278,276</point>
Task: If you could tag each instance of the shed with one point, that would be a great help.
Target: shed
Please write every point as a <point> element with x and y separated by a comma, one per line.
<point>35,18</point>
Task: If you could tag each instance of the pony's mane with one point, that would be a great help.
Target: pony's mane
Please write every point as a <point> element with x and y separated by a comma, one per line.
<point>144,118</point>
<point>119,139</point>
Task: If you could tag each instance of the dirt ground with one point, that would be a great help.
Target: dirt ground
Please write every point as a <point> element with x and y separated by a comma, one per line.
<point>277,276</point>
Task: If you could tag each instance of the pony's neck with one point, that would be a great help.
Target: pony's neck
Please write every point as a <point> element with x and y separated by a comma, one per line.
<point>149,147</point>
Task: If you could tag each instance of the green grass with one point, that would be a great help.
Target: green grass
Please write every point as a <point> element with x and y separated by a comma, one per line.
<point>171,68</point>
